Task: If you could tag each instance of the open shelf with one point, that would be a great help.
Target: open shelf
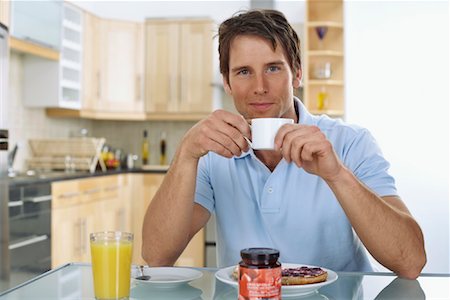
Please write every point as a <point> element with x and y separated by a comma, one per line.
<point>323,68</point>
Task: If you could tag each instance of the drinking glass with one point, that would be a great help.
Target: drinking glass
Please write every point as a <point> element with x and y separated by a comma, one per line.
<point>321,32</point>
<point>111,253</point>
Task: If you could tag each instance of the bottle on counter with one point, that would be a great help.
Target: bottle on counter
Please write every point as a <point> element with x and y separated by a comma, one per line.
<point>145,149</point>
<point>162,149</point>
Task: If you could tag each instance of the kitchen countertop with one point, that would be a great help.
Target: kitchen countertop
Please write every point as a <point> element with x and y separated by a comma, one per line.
<point>51,176</point>
<point>74,281</point>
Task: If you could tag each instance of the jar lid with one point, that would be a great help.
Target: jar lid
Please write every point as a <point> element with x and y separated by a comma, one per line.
<point>260,255</point>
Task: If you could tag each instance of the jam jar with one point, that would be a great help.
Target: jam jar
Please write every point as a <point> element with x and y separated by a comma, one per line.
<point>259,274</point>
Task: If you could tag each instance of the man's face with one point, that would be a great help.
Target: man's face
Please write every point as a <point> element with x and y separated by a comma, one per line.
<point>260,80</point>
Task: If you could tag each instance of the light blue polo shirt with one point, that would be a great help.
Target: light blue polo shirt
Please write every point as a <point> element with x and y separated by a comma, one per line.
<point>290,209</point>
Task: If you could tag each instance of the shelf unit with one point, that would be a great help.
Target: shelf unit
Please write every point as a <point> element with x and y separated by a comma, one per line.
<point>71,58</point>
<point>52,78</point>
<point>323,91</point>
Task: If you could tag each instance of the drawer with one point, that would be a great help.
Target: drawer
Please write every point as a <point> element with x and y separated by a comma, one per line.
<point>65,193</point>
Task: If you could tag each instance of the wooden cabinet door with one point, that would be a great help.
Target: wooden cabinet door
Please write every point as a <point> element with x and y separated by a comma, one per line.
<point>178,66</point>
<point>4,12</point>
<point>144,188</point>
<point>90,218</point>
<point>196,70</point>
<point>91,61</point>
<point>124,201</point>
<point>161,62</point>
<point>65,223</point>
<point>121,61</point>
<point>66,236</point>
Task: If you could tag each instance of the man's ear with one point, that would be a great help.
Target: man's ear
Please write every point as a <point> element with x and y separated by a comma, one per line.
<point>297,79</point>
<point>226,86</point>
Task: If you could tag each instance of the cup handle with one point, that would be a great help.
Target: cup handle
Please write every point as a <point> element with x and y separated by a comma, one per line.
<point>248,141</point>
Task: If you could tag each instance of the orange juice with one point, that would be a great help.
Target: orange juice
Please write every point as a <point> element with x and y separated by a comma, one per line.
<point>111,265</point>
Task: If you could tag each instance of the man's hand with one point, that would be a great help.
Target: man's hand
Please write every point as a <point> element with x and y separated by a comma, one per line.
<point>221,132</point>
<point>309,149</point>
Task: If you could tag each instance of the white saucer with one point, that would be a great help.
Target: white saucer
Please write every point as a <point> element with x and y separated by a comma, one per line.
<point>166,277</point>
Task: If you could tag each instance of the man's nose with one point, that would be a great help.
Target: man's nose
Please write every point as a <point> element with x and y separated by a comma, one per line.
<point>260,85</point>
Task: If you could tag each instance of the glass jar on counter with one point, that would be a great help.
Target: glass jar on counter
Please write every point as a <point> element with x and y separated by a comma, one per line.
<point>259,274</point>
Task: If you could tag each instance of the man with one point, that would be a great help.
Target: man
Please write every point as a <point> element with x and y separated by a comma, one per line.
<point>316,197</point>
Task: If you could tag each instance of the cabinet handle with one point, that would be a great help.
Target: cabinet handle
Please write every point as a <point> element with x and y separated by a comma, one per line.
<point>82,236</point>
<point>78,234</point>
<point>138,87</point>
<point>91,191</point>
<point>30,241</point>
<point>15,203</point>
<point>98,85</point>
<point>68,195</point>
<point>121,219</point>
<point>40,199</point>
<point>180,90</point>
<point>171,81</point>
<point>111,188</point>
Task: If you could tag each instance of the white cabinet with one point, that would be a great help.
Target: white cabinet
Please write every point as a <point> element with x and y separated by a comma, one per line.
<point>57,83</point>
<point>37,21</point>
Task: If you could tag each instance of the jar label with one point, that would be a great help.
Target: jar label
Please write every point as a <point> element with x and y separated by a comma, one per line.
<point>257,284</point>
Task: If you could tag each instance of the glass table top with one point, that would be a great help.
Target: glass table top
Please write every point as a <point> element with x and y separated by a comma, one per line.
<point>74,281</point>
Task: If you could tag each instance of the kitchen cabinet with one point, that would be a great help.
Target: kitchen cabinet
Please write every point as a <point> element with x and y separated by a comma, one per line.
<point>4,12</point>
<point>144,188</point>
<point>323,72</point>
<point>113,62</point>
<point>83,206</point>
<point>91,61</point>
<point>178,61</point>
<point>105,203</point>
<point>38,22</point>
<point>57,83</point>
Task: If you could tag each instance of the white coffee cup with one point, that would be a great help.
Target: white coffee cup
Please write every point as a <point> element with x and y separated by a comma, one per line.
<point>264,131</point>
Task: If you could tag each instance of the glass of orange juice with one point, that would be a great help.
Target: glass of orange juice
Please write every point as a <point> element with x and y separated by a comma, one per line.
<point>111,264</point>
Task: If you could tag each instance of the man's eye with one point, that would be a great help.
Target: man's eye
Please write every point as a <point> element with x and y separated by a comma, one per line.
<point>243,72</point>
<point>273,68</point>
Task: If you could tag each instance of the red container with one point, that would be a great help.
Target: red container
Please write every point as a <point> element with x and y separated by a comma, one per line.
<point>259,274</point>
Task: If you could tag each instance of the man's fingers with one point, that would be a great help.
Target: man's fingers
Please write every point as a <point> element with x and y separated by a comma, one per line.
<point>233,120</point>
<point>212,134</point>
<point>300,145</point>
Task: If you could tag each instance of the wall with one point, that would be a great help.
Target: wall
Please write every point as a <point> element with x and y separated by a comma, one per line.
<point>32,123</point>
<point>397,76</point>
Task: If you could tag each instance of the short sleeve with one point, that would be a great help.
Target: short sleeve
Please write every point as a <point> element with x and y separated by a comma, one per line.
<point>204,194</point>
<point>364,157</point>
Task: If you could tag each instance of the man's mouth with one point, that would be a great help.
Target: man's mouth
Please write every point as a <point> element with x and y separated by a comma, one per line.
<point>261,106</point>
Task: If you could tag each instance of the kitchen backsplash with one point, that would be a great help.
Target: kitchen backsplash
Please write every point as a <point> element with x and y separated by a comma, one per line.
<point>29,123</point>
<point>128,136</point>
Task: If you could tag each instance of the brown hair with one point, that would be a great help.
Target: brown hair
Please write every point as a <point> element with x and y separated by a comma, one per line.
<point>268,24</point>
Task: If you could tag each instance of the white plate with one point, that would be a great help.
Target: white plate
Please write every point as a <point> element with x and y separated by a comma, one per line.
<point>166,277</point>
<point>287,291</point>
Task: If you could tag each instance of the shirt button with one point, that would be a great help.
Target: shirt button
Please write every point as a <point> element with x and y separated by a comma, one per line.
<point>270,190</point>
